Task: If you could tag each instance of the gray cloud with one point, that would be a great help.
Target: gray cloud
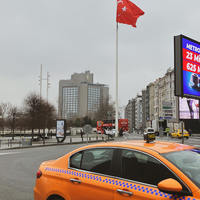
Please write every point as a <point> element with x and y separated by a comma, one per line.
<point>74,36</point>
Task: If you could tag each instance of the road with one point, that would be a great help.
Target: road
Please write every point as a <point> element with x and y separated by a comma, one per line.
<point>191,141</point>
<point>18,169</point>
<point>18,166</point>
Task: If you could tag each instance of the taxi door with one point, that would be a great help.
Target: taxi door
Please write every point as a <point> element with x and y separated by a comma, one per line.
<point>92,178</point>
<point>138,176</point>
<point>128,190</point>
<point>87,186</point>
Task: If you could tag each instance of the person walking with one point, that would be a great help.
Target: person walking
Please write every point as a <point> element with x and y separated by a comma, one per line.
<point>190,132</point>
<point>121,132</point>
<point>82,135</point>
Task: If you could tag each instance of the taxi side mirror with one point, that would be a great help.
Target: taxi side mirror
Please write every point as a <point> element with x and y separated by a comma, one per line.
<point>170,186</point>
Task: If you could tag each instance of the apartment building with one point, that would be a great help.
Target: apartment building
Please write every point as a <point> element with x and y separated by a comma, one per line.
<point>165,91</point>
<point>138,111</point>
<point>130,114</point>
<point>150,88</point>
<point>149,105</point>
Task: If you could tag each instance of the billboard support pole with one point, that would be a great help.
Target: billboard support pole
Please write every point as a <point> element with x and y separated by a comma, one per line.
<point>182,132</point>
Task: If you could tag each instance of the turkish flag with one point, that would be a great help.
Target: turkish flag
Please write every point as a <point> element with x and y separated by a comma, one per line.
<point>128,12</point>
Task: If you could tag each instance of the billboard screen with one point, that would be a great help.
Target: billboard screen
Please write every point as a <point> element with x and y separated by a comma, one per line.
<point>187,67</point>
<point>60,128</point>
<point>188,108</point>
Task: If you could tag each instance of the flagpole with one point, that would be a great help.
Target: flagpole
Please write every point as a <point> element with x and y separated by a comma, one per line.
<point>116,109</point>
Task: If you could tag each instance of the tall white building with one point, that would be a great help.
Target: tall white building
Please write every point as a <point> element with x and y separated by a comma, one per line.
<point>79,96</point>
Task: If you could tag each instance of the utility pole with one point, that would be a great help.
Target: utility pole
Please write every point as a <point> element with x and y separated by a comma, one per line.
<point>48,84</point>
<point>40,81</point>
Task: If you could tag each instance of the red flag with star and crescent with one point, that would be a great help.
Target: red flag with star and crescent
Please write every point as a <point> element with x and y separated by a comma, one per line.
<point>128,12</point>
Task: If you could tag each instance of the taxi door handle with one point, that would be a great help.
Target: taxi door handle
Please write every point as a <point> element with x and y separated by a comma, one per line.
<point>124,192</point>
<point>75,180</point>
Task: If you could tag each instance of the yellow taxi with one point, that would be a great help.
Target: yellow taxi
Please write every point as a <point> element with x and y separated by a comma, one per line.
<point>178,134</point>
<point>122,170</point>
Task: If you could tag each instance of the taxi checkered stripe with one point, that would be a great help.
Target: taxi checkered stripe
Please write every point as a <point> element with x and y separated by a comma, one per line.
<point>119,183</point>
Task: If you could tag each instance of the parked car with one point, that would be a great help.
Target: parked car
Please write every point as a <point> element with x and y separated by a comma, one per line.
<point>178,134</point>
<point>122,170</point>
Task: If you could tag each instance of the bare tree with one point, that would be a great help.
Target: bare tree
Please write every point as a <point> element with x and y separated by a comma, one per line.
<point>107,105</point>
<point>22,121</point>
<point>32,111</point>
<point>50,116</point>
<point>38,113</point>
<point>60,108</point>
<point>12,119</point>
<point>4,107</point>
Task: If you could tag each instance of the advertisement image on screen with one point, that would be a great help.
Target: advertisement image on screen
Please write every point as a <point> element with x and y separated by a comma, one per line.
<point>60,129</point>
<point>191,68</point>
<point>188,108</point>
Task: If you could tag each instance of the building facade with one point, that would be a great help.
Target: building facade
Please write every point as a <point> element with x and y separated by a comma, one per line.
<point>149,106</point>
<point>138,112</point>
<point>165,91</point>
<point>79,96</point>
<point>130,114</point>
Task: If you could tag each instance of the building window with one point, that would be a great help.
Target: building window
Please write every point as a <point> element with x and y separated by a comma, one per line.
<point>93,99</point>
<point>70,102</point>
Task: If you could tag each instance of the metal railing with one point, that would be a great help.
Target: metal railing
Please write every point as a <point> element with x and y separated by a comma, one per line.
<point>23,142</point>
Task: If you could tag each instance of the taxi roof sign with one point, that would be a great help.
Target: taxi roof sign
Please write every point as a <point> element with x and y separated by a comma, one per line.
<point>149,135</point>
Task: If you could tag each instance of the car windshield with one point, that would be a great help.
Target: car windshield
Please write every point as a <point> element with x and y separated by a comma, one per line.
<point>188,161</point>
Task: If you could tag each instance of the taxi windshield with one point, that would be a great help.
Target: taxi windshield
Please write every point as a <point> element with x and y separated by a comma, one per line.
<point>188,161</point>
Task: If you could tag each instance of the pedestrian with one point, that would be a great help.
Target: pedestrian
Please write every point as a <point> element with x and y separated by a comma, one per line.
<point>120,132</point>
<point>190,132</point>
<point>40,135</point>
<point>82,135</point>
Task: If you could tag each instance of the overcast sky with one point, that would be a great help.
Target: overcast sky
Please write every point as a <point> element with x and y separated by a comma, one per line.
<point>74,36</point>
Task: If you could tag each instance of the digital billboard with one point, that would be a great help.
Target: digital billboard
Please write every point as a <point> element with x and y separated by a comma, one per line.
<point>60,128</point>
<point>188,108</point>
<point>187,67</point>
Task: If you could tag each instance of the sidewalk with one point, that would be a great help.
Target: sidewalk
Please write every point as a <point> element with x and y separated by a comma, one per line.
<point>17,143</point>
<point>8,143</point>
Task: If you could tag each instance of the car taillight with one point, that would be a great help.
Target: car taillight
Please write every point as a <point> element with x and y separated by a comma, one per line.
<point>39,174</point>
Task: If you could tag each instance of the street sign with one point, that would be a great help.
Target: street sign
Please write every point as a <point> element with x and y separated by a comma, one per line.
<point>161,119</point>
<point>173,120</point>
<point>161,128</point>
<point>167,110</point>
<point>87,128</point>
<point>167,129</point>
<point>167,104</point>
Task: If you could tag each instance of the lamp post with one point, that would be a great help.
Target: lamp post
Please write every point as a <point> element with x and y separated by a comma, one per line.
<point>48,84</point>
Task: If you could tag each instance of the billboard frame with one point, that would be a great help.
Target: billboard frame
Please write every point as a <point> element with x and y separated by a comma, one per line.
<point>61,129</point>
<point>179,83</point>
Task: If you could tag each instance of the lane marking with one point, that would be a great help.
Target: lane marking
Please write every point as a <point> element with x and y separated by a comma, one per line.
<point>9,153</point>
